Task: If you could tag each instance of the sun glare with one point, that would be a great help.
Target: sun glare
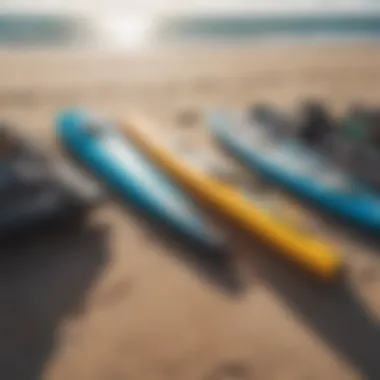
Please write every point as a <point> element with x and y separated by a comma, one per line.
<point>131,31</point>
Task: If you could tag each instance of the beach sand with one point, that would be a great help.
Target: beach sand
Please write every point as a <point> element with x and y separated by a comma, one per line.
<point>121,299</point>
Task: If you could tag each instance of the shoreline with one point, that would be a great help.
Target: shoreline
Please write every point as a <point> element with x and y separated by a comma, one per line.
<point>194,48</point>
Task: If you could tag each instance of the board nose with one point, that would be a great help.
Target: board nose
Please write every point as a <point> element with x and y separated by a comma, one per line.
<point>69,120</point>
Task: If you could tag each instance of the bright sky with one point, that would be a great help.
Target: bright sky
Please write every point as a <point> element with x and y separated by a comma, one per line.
<point>188,5</point>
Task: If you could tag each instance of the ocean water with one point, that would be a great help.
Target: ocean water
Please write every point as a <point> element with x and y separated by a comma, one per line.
<point>24,31</point>
<point>271,29</point>
<point>143,31</point>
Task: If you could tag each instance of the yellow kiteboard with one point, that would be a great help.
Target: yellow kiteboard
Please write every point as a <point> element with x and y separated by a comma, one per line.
<point>294,243</point>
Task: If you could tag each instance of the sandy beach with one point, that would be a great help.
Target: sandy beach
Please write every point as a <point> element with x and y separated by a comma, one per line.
<point>122,299</point>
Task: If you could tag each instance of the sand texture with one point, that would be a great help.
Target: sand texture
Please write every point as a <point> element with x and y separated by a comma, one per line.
<point>121,299</point>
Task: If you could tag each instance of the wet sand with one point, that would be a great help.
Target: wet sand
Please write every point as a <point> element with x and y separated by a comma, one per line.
<point>122,299</point>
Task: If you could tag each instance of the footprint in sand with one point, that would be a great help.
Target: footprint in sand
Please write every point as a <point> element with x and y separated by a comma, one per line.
<point>115,293</point>
<point>188,117</point>
<point>369,274</point>
<point>231,371</point>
